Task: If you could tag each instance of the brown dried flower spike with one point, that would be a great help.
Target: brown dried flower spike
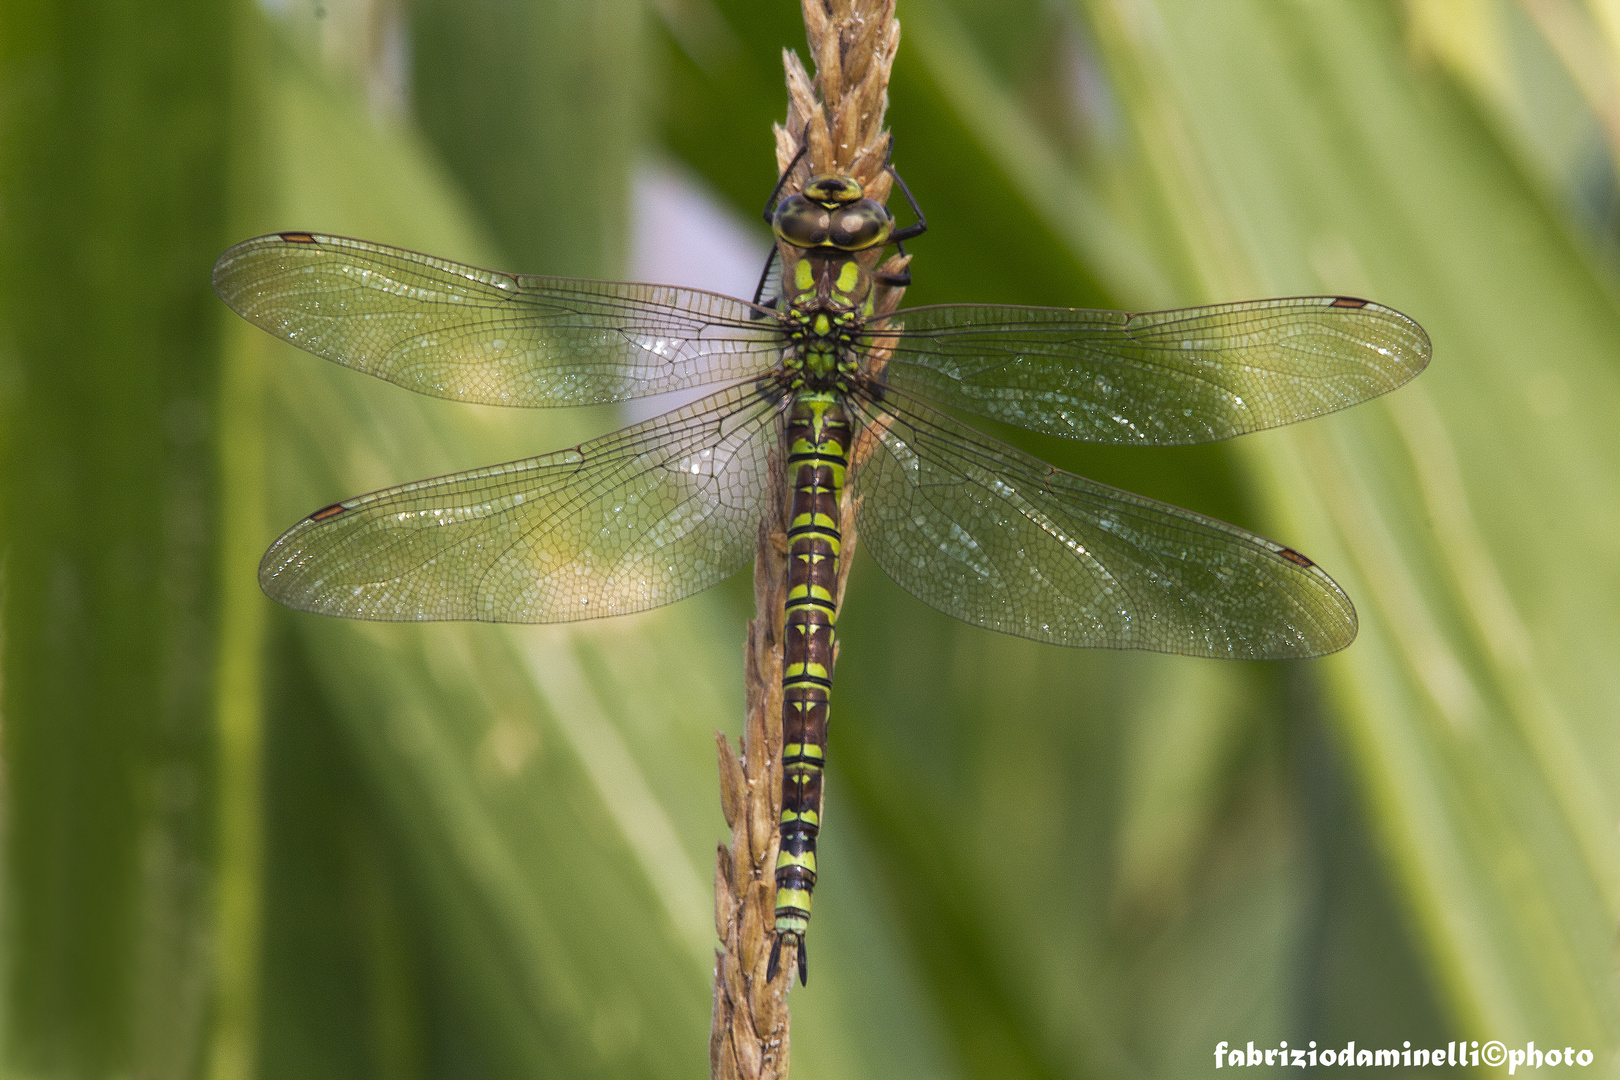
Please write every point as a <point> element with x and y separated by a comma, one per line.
<point>837,120</point>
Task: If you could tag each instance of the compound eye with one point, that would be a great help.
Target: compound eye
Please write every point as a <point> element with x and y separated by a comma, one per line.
<point>856,228</point>
<point>831,191</point>
<point>801,222</point>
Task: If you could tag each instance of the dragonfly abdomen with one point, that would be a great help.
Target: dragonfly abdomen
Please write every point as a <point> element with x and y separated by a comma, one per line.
<point>818,434</point>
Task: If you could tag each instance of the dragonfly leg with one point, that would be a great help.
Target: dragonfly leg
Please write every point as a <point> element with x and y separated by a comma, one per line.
<point>916,228</point>
<point>765,276</point>
<point>900,280</point>
<point>770,203</point>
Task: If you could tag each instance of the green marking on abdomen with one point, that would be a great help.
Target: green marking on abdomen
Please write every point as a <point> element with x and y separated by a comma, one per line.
<point>818,454</point>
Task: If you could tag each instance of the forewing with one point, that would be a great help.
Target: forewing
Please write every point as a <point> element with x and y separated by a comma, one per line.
<point>635,519</point>
<point>999,539</point>
<point>1159,378</point>
<point>458,332</point>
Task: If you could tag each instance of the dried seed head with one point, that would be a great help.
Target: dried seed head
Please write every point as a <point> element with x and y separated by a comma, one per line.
<point>839,113</point>
<point>836,117</point>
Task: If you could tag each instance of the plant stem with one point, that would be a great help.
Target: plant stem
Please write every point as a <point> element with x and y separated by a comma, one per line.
<point>837,118</point>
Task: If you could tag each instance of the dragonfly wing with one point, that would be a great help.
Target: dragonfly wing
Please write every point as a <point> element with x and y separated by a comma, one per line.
<point>458,332</point>
<point>999,539</point>
<point>635,519</point>
<point>1159,378</point>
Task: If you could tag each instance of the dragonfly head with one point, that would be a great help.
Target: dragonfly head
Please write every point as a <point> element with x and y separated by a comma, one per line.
<point>832,191</point>
<point>832,212</point>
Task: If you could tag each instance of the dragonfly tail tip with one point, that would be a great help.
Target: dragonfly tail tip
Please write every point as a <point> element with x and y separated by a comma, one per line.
<point>776,960</point>
<point>775,965</point>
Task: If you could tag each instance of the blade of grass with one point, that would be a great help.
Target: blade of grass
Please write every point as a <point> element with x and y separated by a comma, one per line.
<point>113,143</point>
<point>1333,164</point>
<point>551,937</point>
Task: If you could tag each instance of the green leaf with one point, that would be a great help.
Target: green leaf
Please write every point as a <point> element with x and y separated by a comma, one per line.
<point>527,788</point>
<point>1471,707</point>
<point>114,131</point>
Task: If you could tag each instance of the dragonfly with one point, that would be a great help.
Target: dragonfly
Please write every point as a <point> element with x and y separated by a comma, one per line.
<point>823,388</point>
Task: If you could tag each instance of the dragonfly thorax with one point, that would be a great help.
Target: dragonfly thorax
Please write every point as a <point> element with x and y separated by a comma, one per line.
<point>829,298</point>
<point>822,345</point>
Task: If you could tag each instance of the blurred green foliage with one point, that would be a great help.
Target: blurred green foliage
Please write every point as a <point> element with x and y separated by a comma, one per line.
<point>241,842</point>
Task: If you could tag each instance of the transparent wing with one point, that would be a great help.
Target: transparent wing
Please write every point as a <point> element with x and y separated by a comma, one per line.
<point>1155,379</point>
<point>458,332</point>
<point>999,539</point>
<point>635,519</point>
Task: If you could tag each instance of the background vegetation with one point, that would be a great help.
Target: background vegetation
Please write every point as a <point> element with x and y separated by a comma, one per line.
<point>242,843</point>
